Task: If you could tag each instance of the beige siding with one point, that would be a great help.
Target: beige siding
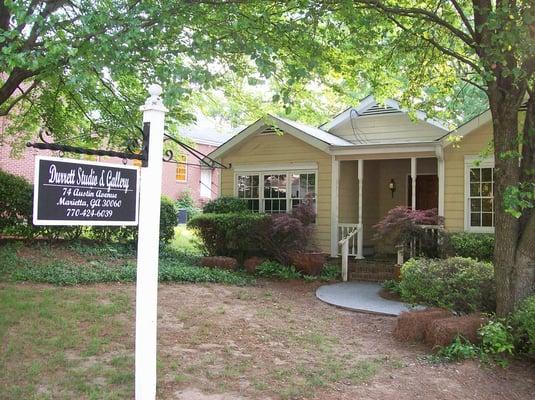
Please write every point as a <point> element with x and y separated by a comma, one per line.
<point>284,149</point>
<point>454,203</point>
<point>387,128</point>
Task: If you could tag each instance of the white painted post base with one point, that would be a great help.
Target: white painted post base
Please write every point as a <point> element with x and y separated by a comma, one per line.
<point>147,250</point>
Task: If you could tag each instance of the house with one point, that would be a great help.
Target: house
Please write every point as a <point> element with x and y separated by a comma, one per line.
<point>187,175</point>
<point>358,166</point>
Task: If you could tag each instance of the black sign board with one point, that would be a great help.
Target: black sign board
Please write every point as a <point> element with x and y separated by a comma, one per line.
<point>77,192</point>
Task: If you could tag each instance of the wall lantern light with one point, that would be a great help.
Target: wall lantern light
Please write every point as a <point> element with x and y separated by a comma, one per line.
<point>392,186</point>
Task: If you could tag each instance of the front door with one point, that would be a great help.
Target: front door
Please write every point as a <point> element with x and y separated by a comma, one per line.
<point>426,192</point>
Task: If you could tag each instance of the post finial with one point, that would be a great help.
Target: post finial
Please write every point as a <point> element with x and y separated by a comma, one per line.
<point>154,102</point>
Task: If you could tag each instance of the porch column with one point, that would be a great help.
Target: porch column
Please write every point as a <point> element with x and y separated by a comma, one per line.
<point>441,181</point>
<point>360,234</point>
<point>335,187</point>
<point>413,179</point>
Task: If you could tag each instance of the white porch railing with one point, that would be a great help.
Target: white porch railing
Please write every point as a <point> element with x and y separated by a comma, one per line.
<point>433,231</point>
<point>344,243</point>
<point>344,231</point>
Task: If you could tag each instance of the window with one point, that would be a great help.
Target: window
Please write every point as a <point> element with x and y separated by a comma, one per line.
<point>248,187</point>
<point>182,168</point>
<point>206,183</point>
<point>303,187</point>
<point>479,211</point>
<point>276,192</point>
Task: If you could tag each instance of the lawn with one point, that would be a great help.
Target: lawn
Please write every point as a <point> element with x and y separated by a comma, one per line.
<point>269,340</point>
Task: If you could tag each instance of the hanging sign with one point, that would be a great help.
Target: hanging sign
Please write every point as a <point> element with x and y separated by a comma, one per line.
<point>78,192</point>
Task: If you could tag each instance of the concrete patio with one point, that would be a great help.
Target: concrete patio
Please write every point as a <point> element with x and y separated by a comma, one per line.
<point>360,296</point>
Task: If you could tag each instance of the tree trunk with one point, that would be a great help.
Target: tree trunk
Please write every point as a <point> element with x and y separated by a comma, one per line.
<point>513,252</point>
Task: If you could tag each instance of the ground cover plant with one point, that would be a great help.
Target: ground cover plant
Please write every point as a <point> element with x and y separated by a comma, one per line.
<point>84,263</point>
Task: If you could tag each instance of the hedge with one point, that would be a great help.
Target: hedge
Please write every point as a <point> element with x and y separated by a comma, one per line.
<point>460,284</point>
<point>231,235</point>
<point>479,246</point>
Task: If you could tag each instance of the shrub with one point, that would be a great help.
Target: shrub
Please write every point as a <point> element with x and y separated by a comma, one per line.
<point>282,236</point>
<point>401,226</point>
<point>232,235</point>
<point>496,338</point>
<point>272,269</point>
<point>460,349</point>
<point>186,202</point>
<point>475,245</point>
<point>15,205</point>
<point>226,204</point>
<point>168,219</point>
<point>460,284</point>
<point>523,321</point>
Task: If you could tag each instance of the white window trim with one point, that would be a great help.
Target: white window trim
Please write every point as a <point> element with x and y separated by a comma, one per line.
<point>288,173</point>
<point>469,162</point>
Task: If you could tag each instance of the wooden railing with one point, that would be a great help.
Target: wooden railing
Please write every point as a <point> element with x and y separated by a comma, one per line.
<point>343,231</point>
<point>344,243</point>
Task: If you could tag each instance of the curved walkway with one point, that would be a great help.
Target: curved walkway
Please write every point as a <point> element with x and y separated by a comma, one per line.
<point>360,296</point>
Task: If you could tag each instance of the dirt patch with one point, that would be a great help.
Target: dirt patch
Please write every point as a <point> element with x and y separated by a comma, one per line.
<point>388,295</point>
<point>277,341</point>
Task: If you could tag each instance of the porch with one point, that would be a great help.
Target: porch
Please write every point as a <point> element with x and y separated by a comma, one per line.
<point>365,189</point>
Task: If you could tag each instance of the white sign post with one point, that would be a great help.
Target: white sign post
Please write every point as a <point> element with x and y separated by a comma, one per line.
<point>147,249</point>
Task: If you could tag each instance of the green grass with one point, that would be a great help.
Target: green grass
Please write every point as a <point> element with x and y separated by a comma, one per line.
<point>55,342</point>
<point>184,240</point>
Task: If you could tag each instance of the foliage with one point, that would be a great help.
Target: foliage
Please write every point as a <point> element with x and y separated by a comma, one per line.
<point>168,219</point>
<point>232,234</point>
<point>331,272</point>
<point>186,202</point>
<point>15,205</point>
<point>392,286</point>
<point>273,269</point>
<point>459,350</point>
<point>226,204</point>
<point>479,246</point>
<point>496,339</point>
<point>456,283</point>
<point>401,226</point>
<point>285,235</point>
<point>523,322</point>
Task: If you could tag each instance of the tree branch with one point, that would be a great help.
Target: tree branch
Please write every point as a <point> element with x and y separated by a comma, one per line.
<point>414,12</point>
<point>17,99</point>
<point>463,16</point>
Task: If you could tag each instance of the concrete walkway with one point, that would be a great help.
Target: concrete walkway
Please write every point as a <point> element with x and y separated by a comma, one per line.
<point>360,296</point>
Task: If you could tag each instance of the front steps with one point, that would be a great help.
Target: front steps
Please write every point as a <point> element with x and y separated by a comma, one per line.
<point>370,270</point>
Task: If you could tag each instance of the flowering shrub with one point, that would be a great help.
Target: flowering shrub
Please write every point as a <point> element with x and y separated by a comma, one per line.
<point>402,225</point>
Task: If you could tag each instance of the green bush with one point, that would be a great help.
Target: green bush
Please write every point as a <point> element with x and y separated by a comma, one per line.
<point>232,235</point>
<point>460,284</point>
<point>186,202</point>
<point>226,204</point>
<point>168,219</point>
<point>479,246</point>
<point>272,269</point>
<point>523,321</point>
<point>15,205</point>
<point>496,339</point>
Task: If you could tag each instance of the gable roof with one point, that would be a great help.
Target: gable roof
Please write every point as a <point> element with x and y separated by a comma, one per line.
<point>315,137</point>
<point>369,107</point>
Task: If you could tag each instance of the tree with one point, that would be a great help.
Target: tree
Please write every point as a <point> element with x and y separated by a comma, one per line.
<point>79,67</point>
<point>433,45</point>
